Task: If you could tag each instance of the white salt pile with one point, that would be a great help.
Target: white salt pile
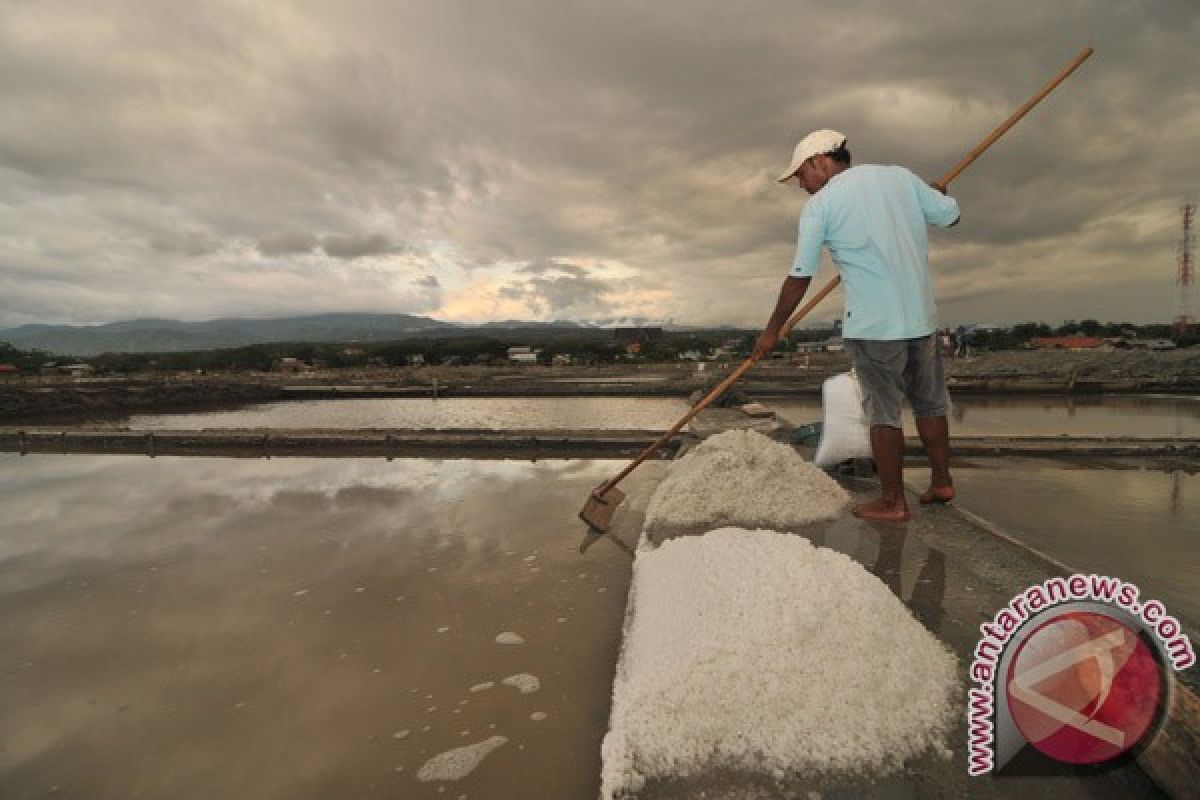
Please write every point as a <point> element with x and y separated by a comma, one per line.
<point>755,651</point>
<point>744,478</point>
<point>523,682</point>
<point>458,763</point>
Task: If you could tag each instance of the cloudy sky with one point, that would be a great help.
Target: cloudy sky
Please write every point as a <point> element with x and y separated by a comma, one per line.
<point>475,161</point>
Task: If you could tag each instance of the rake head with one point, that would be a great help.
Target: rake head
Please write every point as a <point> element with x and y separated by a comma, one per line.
<point>598,511</point>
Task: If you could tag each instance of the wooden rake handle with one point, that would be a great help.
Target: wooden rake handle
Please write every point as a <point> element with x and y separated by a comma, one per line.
<point>1003,127</point>
<point>731,379</point>
<point>734,376</point>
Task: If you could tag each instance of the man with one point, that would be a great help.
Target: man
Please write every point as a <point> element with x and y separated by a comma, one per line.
<point>872,219</point>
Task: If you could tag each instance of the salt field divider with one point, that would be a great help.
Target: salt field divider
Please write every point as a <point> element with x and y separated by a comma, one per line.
<point>490,443</point>
<point>376,442</point>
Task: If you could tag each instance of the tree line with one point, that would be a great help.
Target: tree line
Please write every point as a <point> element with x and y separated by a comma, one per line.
<point>583,347</point>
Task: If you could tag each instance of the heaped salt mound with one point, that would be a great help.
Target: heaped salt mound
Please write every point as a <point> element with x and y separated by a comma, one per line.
<point>755,651</point>
<point>744,478</point>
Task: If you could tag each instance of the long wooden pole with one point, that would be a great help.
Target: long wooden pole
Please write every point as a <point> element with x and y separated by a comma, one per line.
<point>954,172</point>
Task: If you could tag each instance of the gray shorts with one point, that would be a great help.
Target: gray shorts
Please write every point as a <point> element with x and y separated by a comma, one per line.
<point>889,371</point>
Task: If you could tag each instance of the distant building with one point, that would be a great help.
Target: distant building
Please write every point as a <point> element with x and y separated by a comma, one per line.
<point>691,355</point>
<point>831,345</point>
<point>8,370</point>
<point>289,364</point>
<point>78,370</point>
<point>522,355</point>
<point>561,360</point>
<point>1068,342</point>
<point>416,360</point>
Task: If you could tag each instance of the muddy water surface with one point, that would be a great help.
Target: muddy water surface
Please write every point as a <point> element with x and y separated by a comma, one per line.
<point>1136,523</point>
<point>1116,415</point>
<point>302,628</point>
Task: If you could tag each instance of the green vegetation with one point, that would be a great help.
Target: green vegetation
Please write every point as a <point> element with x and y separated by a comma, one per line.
<point>24,360</point>
<point>583,346</point>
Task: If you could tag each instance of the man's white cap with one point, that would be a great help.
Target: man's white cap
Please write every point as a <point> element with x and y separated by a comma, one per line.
<point>816,143</point>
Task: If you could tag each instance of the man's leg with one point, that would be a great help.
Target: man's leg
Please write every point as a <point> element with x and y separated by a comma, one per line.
<point>935,435</point>
<point>887,445</point>
<point>880,368</point>
<point>926,388</point>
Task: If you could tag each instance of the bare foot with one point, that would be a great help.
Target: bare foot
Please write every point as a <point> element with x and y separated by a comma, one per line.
<point>883,511</point>
<point>937,494</point>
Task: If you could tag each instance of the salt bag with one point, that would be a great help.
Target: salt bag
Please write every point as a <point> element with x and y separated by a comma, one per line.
<point>845,433</point>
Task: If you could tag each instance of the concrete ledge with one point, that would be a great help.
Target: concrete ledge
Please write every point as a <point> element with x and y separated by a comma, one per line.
<point>1058,446</point>
<point>398,443</point>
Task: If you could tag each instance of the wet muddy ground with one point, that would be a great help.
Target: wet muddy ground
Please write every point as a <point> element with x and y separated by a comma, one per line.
<point>303,628</point>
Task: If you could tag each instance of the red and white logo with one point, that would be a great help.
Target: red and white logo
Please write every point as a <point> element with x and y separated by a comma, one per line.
<point>1083,688</point>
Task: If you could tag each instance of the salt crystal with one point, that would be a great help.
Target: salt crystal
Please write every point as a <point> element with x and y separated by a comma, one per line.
<point>538,716</point>
<point>755,651</point>
<point>482,687</point>
<point>523,682</point>
<point>508,637</point>
<point>400,734</point>
<point>742,477</point>
<point>458,763</point>
<point>443,629</point>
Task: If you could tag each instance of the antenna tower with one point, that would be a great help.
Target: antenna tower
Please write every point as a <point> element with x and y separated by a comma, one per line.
<point>1184,321</point>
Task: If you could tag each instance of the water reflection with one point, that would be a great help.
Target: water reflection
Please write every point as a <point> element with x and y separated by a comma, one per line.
<point>856,538</point>
<point>185,625</point>
<point>1133,523</point>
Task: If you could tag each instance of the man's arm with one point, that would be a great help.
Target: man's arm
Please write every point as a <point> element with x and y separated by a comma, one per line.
<point>790,295</point>
<point>941,187</point>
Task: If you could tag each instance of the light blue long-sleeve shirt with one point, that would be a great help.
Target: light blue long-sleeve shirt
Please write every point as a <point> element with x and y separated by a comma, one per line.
<point>872,219</point>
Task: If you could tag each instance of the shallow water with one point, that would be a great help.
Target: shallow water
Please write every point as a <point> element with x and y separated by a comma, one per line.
<point>650,413</point>
<point>1113,415</point>
<point>1141,525</point>
<point>301,628</point>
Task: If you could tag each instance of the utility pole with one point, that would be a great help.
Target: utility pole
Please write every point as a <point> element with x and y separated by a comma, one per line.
<point>1184,321</point>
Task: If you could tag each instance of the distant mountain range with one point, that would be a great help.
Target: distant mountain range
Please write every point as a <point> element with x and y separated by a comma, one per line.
<point>169,335</point>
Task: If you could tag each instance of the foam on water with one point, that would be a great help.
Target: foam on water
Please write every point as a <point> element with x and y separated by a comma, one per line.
<point>523,682</point>
<point>755,651</point>
<point>744,478</point>
<point>458,763</point>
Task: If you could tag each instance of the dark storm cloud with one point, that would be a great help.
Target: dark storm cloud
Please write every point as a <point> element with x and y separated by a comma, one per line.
<point>197,145</point>
<point>359,245</point>
<point>280,244</point>
<point>553,288</point>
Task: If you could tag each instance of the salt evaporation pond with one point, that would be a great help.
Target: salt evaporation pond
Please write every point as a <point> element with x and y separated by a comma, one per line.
<point>1109,415</point>
<point>650,413</point>
<point>304,628</point>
